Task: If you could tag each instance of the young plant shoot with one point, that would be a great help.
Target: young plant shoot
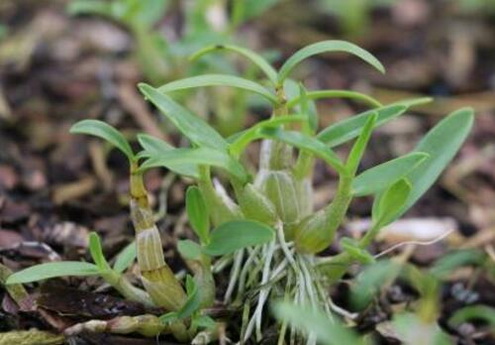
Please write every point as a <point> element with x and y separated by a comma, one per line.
<point>261,225</point>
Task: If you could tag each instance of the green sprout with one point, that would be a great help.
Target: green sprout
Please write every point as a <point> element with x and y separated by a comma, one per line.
<point>265,228</point>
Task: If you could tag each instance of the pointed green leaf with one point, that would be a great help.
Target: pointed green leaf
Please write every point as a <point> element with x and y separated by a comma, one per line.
<point>154,147</point>
<point>105,131</point>
<point>379,177</point>
<point>237,234</point>
<point>313,95</point>
<point>125,258</point>
<point>190,125</point>
<point>218,80</point>
<point>474,312</point>
<point>189,250</point>
<point>199,156</point>
<point>53,270</point>
<point>197,213</point>
<point>350,128</point>
<point>327,47</point>
<point>390,203</point>
<point>306,143</point>
<point>255,58</point>
<point>359,146</point>
<point>441,143</point>
<point>193,301</point>
<point>97,252</point>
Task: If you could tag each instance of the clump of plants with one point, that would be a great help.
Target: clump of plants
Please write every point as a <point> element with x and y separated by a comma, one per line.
<point>255,221</point>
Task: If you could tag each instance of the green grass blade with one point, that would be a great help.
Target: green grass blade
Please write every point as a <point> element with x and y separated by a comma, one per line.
<point>441,143</point>
<point>154,147</point>
<point>53,270</point>
<point>327,47</point>
<point>237,234</point>
<point>314,95</point>
<point>218,80</point>
<point>190,125</point>
<point>255,58</point>
<point>125,258</point>
<point>378,178</point>
<point>197,156</point>
<point>104,131</point>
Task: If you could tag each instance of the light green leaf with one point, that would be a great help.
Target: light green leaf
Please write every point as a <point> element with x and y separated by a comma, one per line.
<point>474,312</point>
<point>327,47</point>
<point>390,203</point>
<point>306,143</point>
<point>237,234</point>
<point>189,250</point>
<point>99,7</point>
<point>441,143</point>
<point>313,95</point>
<point>352,248</point>
<point>53,270</point>
<point>350,128</point>
<point>125,258</point>
<point>154,147</point>
<point>218,80</point>
<point>359,146</point>
<point>197,213</point>
<point>103,130</point>
<point>198,156</point>
<point>255,58</point>
<point>327,331</point>
<point>190,125</point>
<point>379,177</point>
<point>193,302</point>
<point>444,266</point>
<point>97,252</point>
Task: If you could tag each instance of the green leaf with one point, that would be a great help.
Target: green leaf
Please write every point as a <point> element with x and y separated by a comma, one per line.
<point>154,147</point>
<point>475,312</point>
<point>326,47</point>
<point>379,177</point>
<point>255,58</point>
<point>306,143</point>
<point>197,213</point>
<point>103,8</point>
<point>189,250</point>
<point>53,270</point>
<point>237,234</point>
<point>198,156</point>
<point>441,143</point>
<point>350,128</point>
<point>352,248</point>
<point>193,302</point>
<point>97,252</point>
<point>390,203</point>
<point>218,80</point>
<point>359,146</point>
<point>103,130</point>
<point>313,95</point>
<point>190,125</point>
<point>204,321</point>
<point>125,258</point>
<point>444,266</point>
<point>327,331</point>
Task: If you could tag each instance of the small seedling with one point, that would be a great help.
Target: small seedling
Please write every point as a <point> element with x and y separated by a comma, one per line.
<point>263,221</point>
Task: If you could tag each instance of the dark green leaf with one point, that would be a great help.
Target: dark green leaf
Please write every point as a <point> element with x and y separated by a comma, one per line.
<point>197,213</point>
<point>53,270</point>
<point>237,234</point>
<point>326,47</point>
<point>190,125</point>
<point>390,203</point>
<point>154,147</point>
<point>125,258</point>
<point>218,80</point>
<point>189,250</point>
<point>105,131</point>
<point>475,312</point>
<point>198,156</point>
<point>378,178</point>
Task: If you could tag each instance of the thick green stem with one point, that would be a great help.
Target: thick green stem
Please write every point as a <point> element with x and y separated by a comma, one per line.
<point>120,283</point>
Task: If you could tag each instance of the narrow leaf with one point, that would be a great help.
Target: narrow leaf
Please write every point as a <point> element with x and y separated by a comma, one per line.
<point>327,47</point>
<point>381,176</point>
<point>53,270</point>
<point>237,234</point>
<point>197,213</point>
<point>441,143</point>
<point>190,125</point>
<point>189,250</point>
<point>390,203</point>
<point>352,248</point>
<point>154,147</point>
<point>103,130</point>
<point>218,80</point>
<point>193,302</point>
<point>198,156</point>
<point>255,58</point>
<point>350,128</point>
<point>359,146</point>
<point>314,95</point>
<point>125,258</point>
<point>306,143</point>
<point>474,312</point>
<point>97,252</point>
